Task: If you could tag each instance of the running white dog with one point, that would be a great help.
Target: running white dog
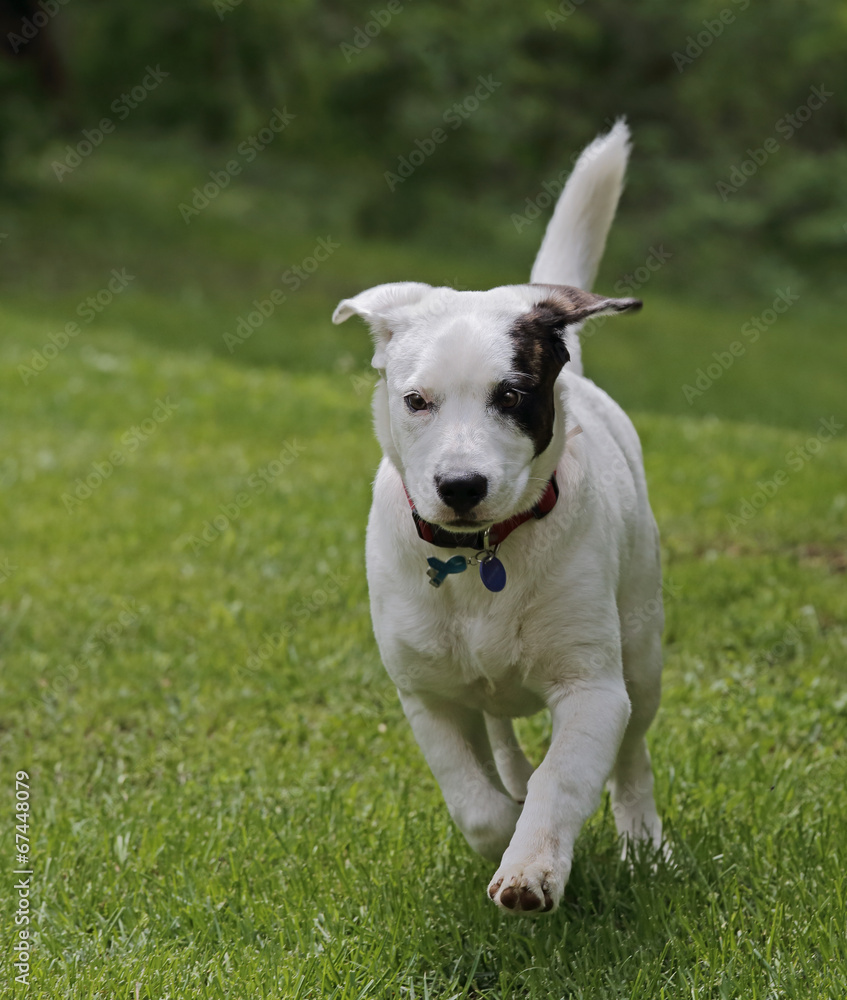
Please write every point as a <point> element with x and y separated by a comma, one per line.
<point>498,454</point>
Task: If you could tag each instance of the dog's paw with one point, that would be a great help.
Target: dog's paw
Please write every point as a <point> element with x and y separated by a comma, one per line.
<point>532,888</point>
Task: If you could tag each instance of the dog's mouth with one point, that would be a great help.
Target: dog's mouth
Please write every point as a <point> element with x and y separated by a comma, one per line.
<point>463,523</point>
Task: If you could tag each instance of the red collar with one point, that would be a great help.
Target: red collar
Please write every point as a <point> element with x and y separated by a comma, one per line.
<point>444,539</point>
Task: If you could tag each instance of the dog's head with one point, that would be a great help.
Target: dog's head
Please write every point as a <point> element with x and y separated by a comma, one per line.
<point>467,407</point>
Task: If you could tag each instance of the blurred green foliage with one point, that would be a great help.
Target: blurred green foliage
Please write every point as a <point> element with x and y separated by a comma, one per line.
<point>703,84</point>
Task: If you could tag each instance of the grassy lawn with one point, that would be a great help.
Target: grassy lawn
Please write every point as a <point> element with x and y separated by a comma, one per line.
<point>226,799</point>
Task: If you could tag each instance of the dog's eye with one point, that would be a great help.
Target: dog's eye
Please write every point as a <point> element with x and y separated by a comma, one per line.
<point>416,402</point>
<point>509,399</point>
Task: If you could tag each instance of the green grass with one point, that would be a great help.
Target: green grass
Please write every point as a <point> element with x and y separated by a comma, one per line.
<point>226,799</point>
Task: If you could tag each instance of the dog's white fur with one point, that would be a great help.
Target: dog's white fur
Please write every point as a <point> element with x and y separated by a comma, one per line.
<point>577,628</point>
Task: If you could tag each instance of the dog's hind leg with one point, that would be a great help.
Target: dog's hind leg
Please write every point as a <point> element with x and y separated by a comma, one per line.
<point>631,785</point>
<point>512,766</point>
<point>631,782</point>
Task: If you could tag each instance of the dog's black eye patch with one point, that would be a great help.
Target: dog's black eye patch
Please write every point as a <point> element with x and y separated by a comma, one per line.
<point>539,354</point>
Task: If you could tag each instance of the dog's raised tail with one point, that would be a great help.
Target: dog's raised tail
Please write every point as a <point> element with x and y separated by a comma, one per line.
<point>573,245</point>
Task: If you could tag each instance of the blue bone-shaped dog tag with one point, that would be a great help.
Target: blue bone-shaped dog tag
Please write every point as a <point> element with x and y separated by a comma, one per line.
<point>439,570</point>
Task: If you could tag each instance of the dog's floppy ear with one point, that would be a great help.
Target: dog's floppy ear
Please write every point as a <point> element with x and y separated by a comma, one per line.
<point>553,315</point>
<point>375,304</point>
<point>573,305</point>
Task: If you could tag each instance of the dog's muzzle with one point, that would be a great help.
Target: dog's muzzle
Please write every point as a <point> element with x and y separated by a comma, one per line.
<point>462,493</point>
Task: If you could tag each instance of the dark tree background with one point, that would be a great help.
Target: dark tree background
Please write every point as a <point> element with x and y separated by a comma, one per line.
<point>704,85</point>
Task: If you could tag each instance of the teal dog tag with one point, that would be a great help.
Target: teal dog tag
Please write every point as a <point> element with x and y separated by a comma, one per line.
<point>438,571</point>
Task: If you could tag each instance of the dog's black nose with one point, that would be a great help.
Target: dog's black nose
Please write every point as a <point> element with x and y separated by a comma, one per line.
<point>462,493</point>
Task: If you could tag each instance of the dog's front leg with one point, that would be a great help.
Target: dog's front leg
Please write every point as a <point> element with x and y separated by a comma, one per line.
<point>456,746</point>
<point>588,724</point>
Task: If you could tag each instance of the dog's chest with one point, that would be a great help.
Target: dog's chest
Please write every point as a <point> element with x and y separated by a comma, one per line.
<point>476,655</point>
